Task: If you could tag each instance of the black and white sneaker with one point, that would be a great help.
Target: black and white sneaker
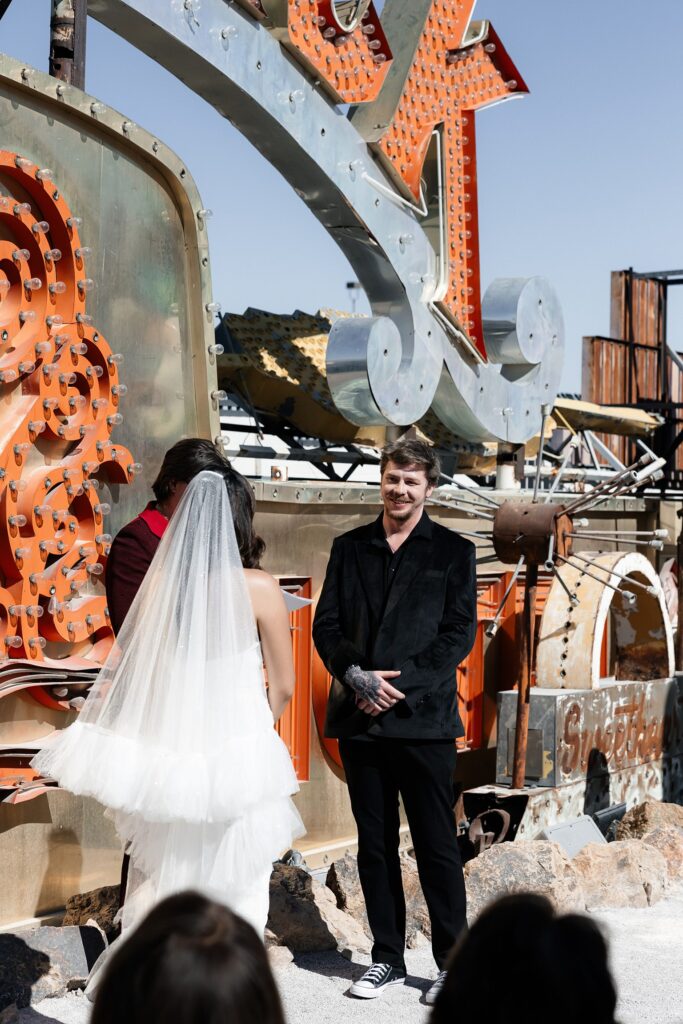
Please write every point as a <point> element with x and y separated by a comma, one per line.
<point>432,993</point>
<point>376,980</point>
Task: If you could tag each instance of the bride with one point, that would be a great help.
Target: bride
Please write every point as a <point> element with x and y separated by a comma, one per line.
<point>176,736</point>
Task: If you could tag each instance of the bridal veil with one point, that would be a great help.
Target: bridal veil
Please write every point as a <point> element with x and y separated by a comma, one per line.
<point>176,736</point>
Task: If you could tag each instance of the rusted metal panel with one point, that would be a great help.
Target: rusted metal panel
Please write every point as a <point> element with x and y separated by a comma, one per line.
<point>593,733</point>
<point>637,308</point>
<point>524,529</point>
<point>632,365</point>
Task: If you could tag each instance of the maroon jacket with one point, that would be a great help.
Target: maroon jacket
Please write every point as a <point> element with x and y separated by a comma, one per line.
<point>130,557</point>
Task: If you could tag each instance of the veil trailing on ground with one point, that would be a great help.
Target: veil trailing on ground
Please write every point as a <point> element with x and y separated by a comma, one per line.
<point>176,737</point>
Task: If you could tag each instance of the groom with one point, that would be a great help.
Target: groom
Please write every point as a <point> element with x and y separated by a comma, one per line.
<point>396,615</point>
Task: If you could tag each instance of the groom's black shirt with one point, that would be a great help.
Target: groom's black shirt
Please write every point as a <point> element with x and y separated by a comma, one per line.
<point>414,610</point>
<point>392,559</point>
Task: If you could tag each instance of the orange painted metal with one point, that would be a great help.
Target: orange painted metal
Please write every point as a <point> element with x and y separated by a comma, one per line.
<point>294,725</point>
<point>446,84</point>
<point>322,681</point>
<point>59,394</point>
<point>473,695</point>
<point>350,65</point>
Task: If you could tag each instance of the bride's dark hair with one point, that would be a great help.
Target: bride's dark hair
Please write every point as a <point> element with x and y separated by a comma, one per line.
<point>243,505</point>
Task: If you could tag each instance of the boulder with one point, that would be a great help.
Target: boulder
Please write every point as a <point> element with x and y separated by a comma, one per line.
<point>535,866</point>
<point>39,962</point>
<point>280,956</point>
<point>342,879</point>
<point>669,842</point>
<point>305,917</point>
<point>417,940</point>
<point>99,905</point>
<point>648,816</point>
<point>625,873</point>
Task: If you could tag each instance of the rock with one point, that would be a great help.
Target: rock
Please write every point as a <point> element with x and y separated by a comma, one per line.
<point>417,915</point>
<point>10,1015</point>
<point>417,940</point>
<point>525,866</point>
<point>100,905</point>
<point>669,842</point>
<point>342,879</point>
<point>648,816</point>
<point>39,962</point>
<point>304,915</point>
<point>349,935</point>
<point>279,956</point>
<point>76,985</point>
<point>625,873</point>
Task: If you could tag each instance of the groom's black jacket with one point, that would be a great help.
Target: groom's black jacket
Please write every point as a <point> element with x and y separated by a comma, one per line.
<point>423,625</point>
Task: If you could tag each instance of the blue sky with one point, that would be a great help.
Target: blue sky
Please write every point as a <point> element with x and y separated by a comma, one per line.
<point>577,179</point>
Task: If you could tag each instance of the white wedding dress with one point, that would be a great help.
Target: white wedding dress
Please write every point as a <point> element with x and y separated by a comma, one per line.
<point>176,737</point>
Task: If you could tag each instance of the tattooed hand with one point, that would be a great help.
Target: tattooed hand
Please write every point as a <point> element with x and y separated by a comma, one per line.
<point>374,692</point>
<point>364,684</point>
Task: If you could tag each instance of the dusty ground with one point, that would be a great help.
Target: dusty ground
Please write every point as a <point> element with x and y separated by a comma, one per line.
<point>647,962</point>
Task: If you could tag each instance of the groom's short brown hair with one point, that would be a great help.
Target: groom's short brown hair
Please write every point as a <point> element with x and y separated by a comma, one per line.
<point>409,451</point>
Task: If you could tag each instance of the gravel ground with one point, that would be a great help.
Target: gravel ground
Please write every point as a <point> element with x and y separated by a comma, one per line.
<point>647,962</point>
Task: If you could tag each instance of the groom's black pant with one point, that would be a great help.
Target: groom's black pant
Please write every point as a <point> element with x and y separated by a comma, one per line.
<point>377,771</point>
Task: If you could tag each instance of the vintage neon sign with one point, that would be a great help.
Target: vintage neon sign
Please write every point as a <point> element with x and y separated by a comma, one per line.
<point>61,390</point>
<point>394,183</point>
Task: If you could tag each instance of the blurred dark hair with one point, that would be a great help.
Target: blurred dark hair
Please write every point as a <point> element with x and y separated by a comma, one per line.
<point>191,961</point>
<point>193,455</point>
<point>243,505</point>
<point>521,961</point>
<point>184,460</point>
<point>409,451</point>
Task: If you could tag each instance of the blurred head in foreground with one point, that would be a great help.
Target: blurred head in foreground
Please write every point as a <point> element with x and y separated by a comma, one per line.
<point>191,961</point>
<point>522,961</point>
